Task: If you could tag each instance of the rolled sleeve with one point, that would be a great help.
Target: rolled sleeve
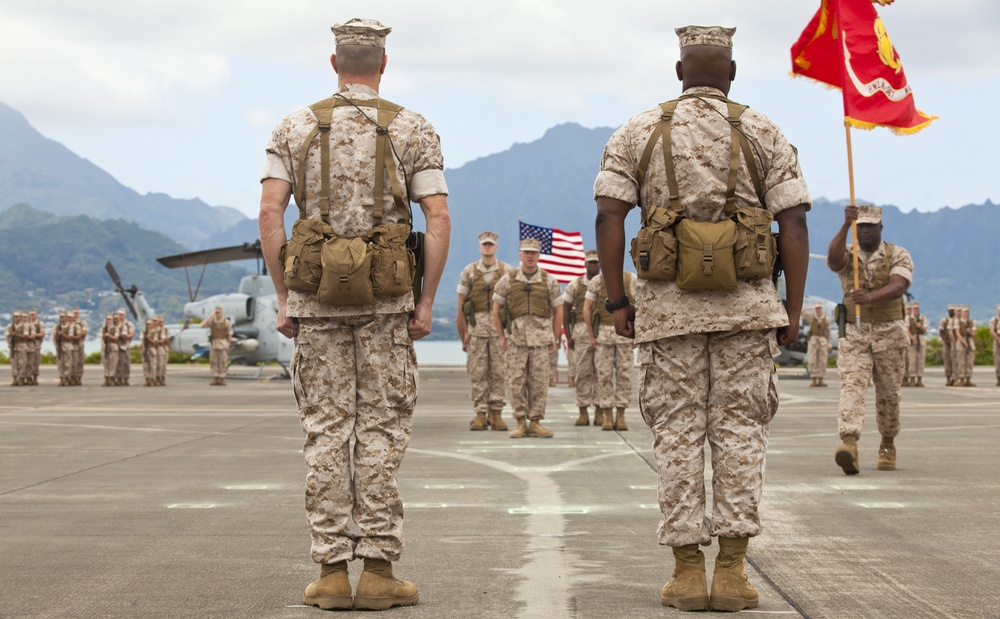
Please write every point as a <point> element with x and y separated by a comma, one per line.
<point>274,167</point>
<point>427,183</point>
<point>788,194</point>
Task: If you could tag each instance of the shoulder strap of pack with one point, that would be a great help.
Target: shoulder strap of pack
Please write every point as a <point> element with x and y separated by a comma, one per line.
<point>662,132</point>
<point>323,110</point>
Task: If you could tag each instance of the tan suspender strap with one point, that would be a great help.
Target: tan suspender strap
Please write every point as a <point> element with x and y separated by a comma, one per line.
<point>734,109</point>
<point>323,110</point>
<point>666,121</point>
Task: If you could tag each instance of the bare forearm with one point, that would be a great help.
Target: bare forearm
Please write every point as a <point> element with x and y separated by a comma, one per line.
<point>436,242</point>
<point>610,229</point>
<point>793,245</point>
<point>275,195</point>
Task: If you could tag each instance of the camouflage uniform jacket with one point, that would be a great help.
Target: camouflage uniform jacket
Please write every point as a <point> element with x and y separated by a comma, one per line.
<point>420,167</point>
<point>700,140</point>
<point>490,276</point>
<point>882,335</point>
<point>529,330</point>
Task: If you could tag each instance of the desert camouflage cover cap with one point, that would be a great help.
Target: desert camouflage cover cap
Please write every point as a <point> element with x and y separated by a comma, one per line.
<point>869,214</point>
<point>531,245</point>
<point>718,36</point>
<point>591,256</point>
<point>357,31</point>
<point>488,237</point>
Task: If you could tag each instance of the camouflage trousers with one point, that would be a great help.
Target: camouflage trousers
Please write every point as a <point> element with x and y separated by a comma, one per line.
<point>723,387</point>
<point>584,371</point>
<point>354,378</point>
<point>947,357</point>
<point>109,359</point>
<point>916,356</point>
<point>124,358</point>
<point>484,362</point>
<point>858,366</point>
<point>218,358</point>
<point>160,356</point>
<point>32,359</point>
<point>614,365</point>
<point>147,364</point>
<point>20,363</point>
<point>64,361</point>
<point>996,358</point>
<point>570,364</point>
<point>962,359</point>
<point>528,371</point>
<point>816,354</point>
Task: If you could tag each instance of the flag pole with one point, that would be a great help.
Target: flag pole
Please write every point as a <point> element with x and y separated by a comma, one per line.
<point>854,223</point>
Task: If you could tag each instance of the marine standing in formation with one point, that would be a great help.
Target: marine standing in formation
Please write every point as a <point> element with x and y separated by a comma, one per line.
<point>706,357</point>
<point>944,330</point>
<point>534,301</point>
<point>126,333</point>
<point>995,335</point>
<point>962,332</point>
<point>819,345</point>
<point>221,337</point>
<point>480,340</point>
<point>78,349</point>
<point>354,368</point>
<point>33,332</point>
<point>916,350</point>
<point>580,354</point>
<point>161,348</point>
<point>614,363</point>
<point>17,345</point>
<point>63,344</point>
<point>875,351</point>
<point>109,350</point>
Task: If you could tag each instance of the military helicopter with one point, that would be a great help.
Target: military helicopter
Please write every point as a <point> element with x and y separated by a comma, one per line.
<point>252,309</point>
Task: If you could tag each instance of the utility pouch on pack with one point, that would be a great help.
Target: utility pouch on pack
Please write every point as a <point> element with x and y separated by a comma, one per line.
<point>392,259</point>
<point>347,268</point>
<point>301,255</point>
<point>469,311</point>
<point>416,244</point>
<point>756,249</point>
<point>654,248</point>
<point>705,255</point>
<point>840,317</point>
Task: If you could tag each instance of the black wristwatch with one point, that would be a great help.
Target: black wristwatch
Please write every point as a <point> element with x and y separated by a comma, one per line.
<point>612,306</point>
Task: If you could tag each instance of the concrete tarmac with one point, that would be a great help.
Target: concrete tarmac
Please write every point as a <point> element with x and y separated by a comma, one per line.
<point>187,501</point>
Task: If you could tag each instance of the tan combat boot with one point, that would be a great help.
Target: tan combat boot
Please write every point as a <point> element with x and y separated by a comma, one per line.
<point>969,383</point>
<point>609,420</point>
<point>887,455</point>
<point>584,418</point>
<point>520,429</point>
<point>814,382</point>
<point>820,383</point>
<point>598,416</point>
<point>479,422</point>
<point>920,382</point>
<point>496,421</point>
<point>379,590</point>
<point>731,590</point>
<point>332,590</point>
<point>687,588</point>
<point>620,424</point>
<point>846,455</point>
<point>537,430</point>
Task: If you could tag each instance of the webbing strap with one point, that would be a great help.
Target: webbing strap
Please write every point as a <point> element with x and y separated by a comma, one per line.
<point>384,162</point>
<point>740,144</point>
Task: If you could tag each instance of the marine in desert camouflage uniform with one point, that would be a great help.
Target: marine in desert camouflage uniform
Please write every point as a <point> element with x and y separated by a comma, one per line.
<point>78,350</point>
<point>876,351</point>
<point>534,300</point>
<point>354,367</point>
<point>614,363</point>
<point>581,355</point>
<point>485,360</point>
<point>995,335</point>
<point>12,334</point>
<point>818,347</point>
<point>109,350</point>
<point>706,357</point>
<point>34,332</point>
<point>963,349</point>
<point>220,339</point>
<point>916,350</point>
<point>126,333</point>
<point>161,348</point>
<point>62,343</point>
<point>944,331</point>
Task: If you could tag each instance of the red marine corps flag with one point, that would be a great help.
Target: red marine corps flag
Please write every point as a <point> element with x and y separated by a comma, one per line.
<point>846,46</point>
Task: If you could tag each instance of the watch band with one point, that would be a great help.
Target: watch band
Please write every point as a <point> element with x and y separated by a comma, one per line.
<point>617,304</point>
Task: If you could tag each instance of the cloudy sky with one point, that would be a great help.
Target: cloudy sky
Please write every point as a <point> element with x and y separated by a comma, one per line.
<point>179,96</point>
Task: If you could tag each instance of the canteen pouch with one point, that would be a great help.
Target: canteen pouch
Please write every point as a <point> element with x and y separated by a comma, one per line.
<point>392,259</point>
<point>347,267</point>
<point>654,248</point>
<point>756,249</point>
<point>705,255</point>
<point>301,255</point>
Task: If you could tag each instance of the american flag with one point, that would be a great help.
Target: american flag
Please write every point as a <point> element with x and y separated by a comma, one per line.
<point>562,252</point>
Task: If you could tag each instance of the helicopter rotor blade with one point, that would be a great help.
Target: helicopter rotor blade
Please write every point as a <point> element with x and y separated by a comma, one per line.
<point>121,290</point>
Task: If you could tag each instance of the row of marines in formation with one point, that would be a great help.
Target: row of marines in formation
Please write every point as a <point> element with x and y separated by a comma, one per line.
<point>510,341</point>
<point>958,345</point>
<point>26,332</point>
